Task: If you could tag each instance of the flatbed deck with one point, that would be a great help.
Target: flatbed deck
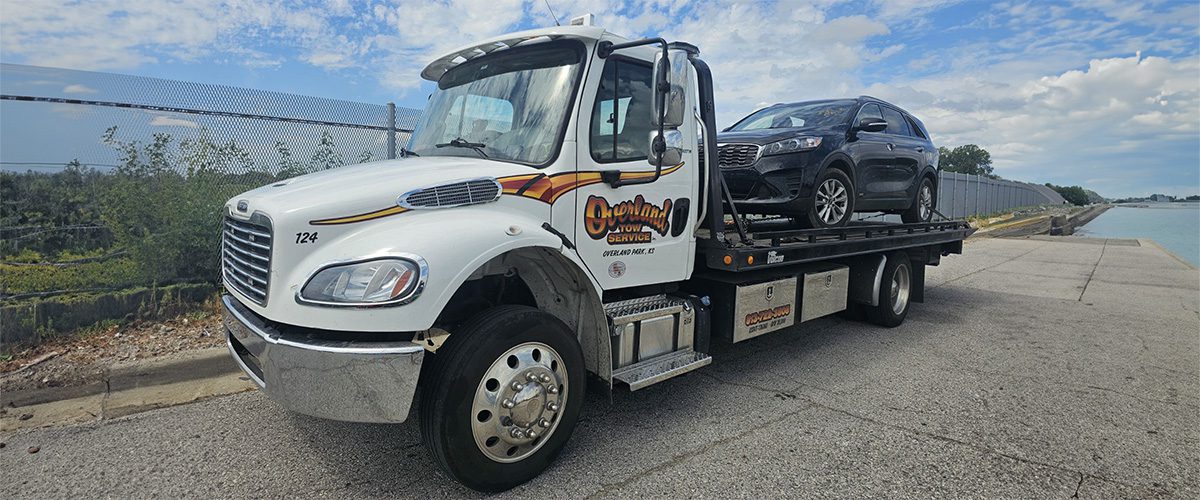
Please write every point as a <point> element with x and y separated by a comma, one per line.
<point>777,248</point>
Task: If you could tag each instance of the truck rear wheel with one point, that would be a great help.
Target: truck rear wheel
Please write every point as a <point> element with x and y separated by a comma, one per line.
<point>501,397</point>
<point>895,289</point>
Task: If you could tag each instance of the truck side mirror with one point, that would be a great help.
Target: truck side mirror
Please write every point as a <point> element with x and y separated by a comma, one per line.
<point>674,96</point>
<point>668,148</point>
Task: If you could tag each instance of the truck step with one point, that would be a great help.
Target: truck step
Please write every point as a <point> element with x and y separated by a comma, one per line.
<point>653,371</point>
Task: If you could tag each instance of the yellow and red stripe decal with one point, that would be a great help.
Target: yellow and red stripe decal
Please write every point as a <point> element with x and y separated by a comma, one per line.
<point>360,217</point>
<point>541,187</point>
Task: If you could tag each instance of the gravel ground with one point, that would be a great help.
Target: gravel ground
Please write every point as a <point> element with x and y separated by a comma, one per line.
<point>1036,369</point>
<point>84,358</point>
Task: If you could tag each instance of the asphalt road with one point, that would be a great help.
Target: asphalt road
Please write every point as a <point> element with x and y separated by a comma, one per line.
<point>1034,370</point>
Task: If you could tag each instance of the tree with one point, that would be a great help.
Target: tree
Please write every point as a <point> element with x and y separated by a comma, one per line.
<point>1074,194</point>
<point>966,159</point>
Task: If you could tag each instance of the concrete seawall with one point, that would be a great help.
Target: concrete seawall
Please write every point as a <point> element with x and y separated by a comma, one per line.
<point>1058,225</point>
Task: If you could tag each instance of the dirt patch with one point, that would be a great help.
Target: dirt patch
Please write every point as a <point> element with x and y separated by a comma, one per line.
<point>85,357</point>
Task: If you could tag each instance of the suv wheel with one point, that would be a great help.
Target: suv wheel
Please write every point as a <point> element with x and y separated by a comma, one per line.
<point>922,207</point>
<point>832,201</point>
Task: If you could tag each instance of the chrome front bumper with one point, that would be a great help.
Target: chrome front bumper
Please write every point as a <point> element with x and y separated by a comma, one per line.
<point>338,380</point>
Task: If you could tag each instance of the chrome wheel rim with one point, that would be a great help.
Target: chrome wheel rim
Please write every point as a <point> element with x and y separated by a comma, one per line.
<point>899,289</point>
<point>925,202</point>
<point>518,402</point>
<point>833,199</point>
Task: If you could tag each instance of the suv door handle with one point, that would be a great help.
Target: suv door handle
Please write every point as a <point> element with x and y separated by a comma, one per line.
<point>920,149</point>
<point>891,146</point>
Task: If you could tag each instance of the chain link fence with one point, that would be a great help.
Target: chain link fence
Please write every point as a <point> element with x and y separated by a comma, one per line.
<point>110,181</point>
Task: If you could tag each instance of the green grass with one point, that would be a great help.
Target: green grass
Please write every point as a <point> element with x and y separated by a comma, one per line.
<point>113,273</point>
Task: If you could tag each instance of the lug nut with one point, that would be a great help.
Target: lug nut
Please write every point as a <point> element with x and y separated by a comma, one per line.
<point>552,389</point>
<point>544,423</point>
<point>532,434</point>
<point>553,406</point>
<point>531,376</point>
<point>518,433</point>
<point>516,386</point>
<point>507,403</point>
<point>545,379</point>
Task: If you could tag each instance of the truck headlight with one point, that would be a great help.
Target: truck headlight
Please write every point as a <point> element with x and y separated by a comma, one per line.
<point>791,145</point>
<point>382,281</point>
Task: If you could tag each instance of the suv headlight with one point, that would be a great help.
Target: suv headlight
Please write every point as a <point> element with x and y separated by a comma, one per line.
<point>792,145</point>
<point>381,281</point>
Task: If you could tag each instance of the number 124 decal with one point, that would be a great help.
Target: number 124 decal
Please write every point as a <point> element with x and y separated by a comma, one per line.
<point>306,238</point>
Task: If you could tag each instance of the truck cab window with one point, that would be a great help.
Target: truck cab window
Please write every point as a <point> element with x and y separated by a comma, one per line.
<point>511,105</point>
<point>478,118</point>
<point>621,115</point>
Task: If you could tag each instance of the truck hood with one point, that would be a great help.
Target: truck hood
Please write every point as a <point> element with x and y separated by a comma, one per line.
<point>363,188</point>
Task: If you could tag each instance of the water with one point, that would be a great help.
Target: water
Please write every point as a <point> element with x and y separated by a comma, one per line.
<point>1175,226</point>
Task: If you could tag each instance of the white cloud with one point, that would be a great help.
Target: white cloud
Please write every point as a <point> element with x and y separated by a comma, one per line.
<point>76,88</point>
<point>166,121</point>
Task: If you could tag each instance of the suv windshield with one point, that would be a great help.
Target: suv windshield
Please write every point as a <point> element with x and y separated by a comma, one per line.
<point>510,106</point>
<point>802,114</point>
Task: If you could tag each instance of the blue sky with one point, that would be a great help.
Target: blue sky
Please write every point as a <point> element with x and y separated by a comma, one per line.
<point>1105,94</point>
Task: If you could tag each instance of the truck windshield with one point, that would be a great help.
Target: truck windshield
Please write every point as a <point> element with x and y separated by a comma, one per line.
<point>801,114</point>
<point>510,106</point>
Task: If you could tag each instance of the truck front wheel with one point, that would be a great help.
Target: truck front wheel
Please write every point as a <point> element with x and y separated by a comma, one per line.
<point>501,397</point>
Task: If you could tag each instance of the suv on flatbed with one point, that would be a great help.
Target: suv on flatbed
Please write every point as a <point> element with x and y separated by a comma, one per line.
<point>821,161</point>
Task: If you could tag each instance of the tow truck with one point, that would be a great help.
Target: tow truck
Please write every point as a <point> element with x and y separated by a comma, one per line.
<point>553,218</point>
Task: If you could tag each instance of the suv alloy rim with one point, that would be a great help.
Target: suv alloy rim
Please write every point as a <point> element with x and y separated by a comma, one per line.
<point>832,201</point>
<point>925,202</point>
<point>518,402</point>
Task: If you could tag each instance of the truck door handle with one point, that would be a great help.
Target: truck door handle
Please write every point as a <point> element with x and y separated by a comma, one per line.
<point>920,149</point>
<point>891,146</point>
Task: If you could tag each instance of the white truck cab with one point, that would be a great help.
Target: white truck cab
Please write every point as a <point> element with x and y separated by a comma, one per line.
<point>553,216</point>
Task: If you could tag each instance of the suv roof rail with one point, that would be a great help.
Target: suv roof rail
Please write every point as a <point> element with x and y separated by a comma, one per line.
<point>873,98</point>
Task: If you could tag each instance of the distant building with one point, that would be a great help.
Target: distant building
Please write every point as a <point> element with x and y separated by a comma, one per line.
<point>1160,198</point>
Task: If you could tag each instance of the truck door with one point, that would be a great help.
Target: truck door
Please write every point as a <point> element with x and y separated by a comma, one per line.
<point>636,234</point>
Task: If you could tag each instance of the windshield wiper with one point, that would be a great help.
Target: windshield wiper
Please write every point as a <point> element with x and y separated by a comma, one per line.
<point>459,142</point>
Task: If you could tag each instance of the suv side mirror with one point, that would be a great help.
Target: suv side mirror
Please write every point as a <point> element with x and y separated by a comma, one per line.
<point>872,125</point>
<point>667,148</point>
<point>673,97</point>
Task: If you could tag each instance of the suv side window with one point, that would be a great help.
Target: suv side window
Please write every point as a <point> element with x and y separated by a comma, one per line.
<point>916,131</point>
<point>897,124</point>
<point>869,111</point>
<point>621,114</point>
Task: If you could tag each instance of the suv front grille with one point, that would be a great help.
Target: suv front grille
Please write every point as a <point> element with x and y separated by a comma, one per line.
<point>737,155</point>
<point>246,257</point>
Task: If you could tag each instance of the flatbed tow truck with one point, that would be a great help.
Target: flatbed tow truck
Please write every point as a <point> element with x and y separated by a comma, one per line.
<point>555,219</point>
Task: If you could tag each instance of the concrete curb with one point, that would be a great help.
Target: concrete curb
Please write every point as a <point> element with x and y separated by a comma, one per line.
<point>195,365</point>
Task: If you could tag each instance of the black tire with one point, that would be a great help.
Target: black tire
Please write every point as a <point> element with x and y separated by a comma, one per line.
<point>920,211</point>
<point>888,313</point>
<point>452,376</point>
<point>816,216</point>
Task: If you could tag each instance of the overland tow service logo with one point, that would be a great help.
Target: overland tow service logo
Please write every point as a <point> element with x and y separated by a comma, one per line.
<point>625,223</point>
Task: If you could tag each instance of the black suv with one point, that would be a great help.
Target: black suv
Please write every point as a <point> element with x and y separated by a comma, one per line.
<point>821,161</point>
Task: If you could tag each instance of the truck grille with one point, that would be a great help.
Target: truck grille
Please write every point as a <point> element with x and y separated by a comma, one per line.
<point>737,155</point>
<point>246,257</point>
<point>452,195</point>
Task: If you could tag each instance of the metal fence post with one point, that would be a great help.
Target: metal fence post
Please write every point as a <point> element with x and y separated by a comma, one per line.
<point>391,138</point>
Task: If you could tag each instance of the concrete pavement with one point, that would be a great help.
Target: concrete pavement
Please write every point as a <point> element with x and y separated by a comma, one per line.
<point>1035,369</point>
